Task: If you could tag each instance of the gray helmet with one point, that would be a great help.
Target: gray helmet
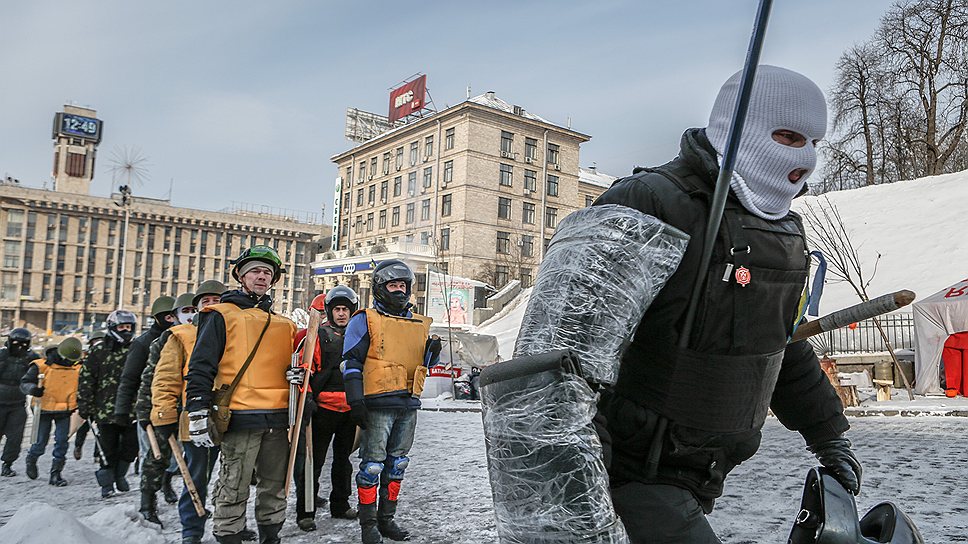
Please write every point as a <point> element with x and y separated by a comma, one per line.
<point>162,305</point>
<point>208,287</point>
<point>341,295</point>
<point>70,349</point>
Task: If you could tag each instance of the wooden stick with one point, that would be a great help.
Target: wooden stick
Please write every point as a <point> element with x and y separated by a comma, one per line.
<point>309,348</point>
<point>309,484</point>
<point>179,454</point>
<point>858,312</point>
<point>155,448</point>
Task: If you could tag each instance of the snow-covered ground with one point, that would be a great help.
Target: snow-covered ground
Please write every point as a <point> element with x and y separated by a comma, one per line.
<point>916,462</point>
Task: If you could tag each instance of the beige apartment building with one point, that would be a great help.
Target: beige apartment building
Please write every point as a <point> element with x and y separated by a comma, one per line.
<point>63,248</point>
<point>475,190</point>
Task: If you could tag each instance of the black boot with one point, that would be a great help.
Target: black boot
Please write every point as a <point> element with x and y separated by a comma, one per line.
<point>6,471</point>
<point>105,479</point>
<point>247,534</point>
<point>269,534</point>
<point>31,467</point>
<point>170,496</point>
<point>384,516</point>
<point>368,528</point>
<point>120,471</point>
<point>229,539</point>
<point>149,507</point>
<point>78,451</point>
<point>56,466</point>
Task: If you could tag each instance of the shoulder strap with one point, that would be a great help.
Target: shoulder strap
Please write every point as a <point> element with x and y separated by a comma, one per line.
<point>245,365</point>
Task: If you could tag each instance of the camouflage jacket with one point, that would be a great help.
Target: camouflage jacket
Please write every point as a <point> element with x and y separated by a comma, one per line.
<point>142,405</point>
<point>98,383</point>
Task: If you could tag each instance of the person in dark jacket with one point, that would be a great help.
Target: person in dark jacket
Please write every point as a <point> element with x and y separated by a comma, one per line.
<point>81,435</point>
<point>331,419</point>
<point>97,389</point>
<point>681,418</point>
<point>386,354</point>
<point>15,356</point>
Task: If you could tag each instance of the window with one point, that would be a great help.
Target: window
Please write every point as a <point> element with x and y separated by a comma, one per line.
<point>448,171</point>
<point>346,228</point>
<point>359,197</point>
<point>62,234</point>
<point>28,255</point>
<point>553,153</point>
<point>449,138</point>
<point>349,174</point>
<point>429,145</point>
<point>425,209</point>
<point>369,222</point>
<point>526,277</point>
<point>412,183</point>
<point>386,163</point>
<point>75,165</point>
<point>346,202</point>
<point>445,202</point>
<point>51,227</point>
<point>503,242</point>
<point>358,226</point>
<point>362,172</point>
<point>503,208</point>
<point>445,268</point>
<point>399,157</point>
<point>384,189</point>
<point>15,222</point>
<point>397,185</point>
<point>506,175</point>
<point>372,168</point>
<point>141,236</point>
<point>8,291</point>
<point>32,225</point>
<point>589,200</point>
<point>551,217</point>
<point>507,142</point>
<point>414,147</point>
<point>25,285</point>
<point>501,275</point>
<point>383,219</point>
<point>49,257</point>
<point>552,185</point>
<point>428,176</point>
<point>424,240</point>
<point>395,216</point>
<point>410,212</point>
<point>527,245</point>
<point>371,194</point>
<point>527,213</point>
<point>531,180</point>
<point>547,242</point>
<point>444,239</point>
<point>530,149</point>
<point>11,254</point>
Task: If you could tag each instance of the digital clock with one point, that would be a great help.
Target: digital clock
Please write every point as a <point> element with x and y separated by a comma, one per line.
<point>69,124</point>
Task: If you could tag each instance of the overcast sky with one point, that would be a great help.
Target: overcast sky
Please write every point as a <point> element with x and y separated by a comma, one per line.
<point>245,101</point>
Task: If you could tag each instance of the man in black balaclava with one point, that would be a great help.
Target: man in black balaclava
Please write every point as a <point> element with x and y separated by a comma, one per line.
<point>15,357</point>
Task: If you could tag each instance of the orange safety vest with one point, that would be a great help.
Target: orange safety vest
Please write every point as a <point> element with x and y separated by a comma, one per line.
<point>395,360</point>
<point>60,386</point>
<point>264,385</point>
<point>186,335</point>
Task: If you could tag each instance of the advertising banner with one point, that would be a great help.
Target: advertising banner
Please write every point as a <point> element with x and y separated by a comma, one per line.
<point>407,99</point>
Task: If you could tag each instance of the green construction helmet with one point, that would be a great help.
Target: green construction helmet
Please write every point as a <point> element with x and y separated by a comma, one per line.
<point>208,287</point>
<point>261,253</point>
<point>70,349</point>
<point>184,299</point>
<point>162,305</point>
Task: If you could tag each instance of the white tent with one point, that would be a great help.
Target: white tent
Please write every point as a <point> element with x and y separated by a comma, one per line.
<point>935,319</point>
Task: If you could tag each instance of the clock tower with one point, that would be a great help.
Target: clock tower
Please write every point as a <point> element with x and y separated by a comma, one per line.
<point>76,134</point>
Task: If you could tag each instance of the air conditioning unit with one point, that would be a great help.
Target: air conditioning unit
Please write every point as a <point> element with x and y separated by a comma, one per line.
<point>520,243</point>
<point>383,201</point>
<point>427,158</point>
<point>411,193</point>
<point>529,160</point>
<point>557,166</point>
<point>413,162</point>
<point>371,177</point>
<point>528,191</point>
<point>399,166</point>
<point>509,155</point>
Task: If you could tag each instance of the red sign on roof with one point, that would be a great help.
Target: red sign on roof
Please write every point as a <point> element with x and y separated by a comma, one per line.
<point>407,98</point>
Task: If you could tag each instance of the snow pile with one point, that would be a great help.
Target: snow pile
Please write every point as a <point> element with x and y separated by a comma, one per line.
<point>504,326</point>
<point>40,522</point>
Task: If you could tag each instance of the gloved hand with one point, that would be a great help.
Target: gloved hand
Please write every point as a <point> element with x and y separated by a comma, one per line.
<point>433,345</point>
<point>295,375</point>
<point>143,423</point>
<point>359,413</point>
<point>165,431</point>
<point>37,391</point>
<point>308,410</point>
<point>836,455</point>
<point>198,429</point>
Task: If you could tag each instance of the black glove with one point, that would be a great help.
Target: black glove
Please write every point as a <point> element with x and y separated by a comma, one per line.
<point>308,410</point>
<point>836,455</point>
<point>359,413</point>
<point>165,431</point>
<point>37,391</point>
<point>143,423</point>
<point>433,345</point>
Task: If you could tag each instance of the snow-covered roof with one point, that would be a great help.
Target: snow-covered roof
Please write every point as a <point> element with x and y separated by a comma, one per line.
<point>491,100</point>
<point>593,177</point>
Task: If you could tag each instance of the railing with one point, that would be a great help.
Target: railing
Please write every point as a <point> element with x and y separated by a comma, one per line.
<point>865,338</point>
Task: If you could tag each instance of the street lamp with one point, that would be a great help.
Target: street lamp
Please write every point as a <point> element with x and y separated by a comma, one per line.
<point>126,205</point>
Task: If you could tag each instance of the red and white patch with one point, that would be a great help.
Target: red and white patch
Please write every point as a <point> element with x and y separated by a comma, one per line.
<point>743,276</point>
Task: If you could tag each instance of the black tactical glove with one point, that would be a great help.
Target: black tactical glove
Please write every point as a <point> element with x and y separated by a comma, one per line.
<point>308,410</point>
<point>433,345</point>
<point>37,391</point>
<point>165,431</point>
<point>836,455</point>
<point>359,413</point>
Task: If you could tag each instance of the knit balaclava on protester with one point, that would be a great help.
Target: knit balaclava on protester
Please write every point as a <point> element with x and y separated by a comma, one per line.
<point>781,100</point>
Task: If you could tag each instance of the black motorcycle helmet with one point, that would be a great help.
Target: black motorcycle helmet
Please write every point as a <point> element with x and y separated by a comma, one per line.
<point>341,295</point>
<point>121,317</point>
<point>18,341</point>
<point>384,273</point>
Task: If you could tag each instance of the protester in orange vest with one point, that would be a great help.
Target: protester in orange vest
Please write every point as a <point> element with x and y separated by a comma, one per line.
<point>56,392</point>
<point>241,337</point>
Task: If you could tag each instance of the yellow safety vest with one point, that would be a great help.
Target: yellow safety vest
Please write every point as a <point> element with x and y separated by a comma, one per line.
<point>395,360</point>
<point>60,386</point>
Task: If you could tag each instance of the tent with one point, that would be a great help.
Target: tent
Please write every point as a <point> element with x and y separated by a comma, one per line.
<point>936,318</point>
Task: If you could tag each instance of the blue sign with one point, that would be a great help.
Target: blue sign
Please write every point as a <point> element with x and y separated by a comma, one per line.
<point>349,268</point>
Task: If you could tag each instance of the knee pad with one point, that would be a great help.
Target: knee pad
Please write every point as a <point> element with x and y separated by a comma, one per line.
<point>396,466</point>
<point>369,474</point>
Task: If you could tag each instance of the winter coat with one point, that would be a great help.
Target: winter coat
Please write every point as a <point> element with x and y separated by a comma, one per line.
<point>11,370</point>
<point>97,386</point>
<point>168,385</point>
<point>134,366</point>
<point>714,394</point>
<point>142,405</point>
<point>326,382</point>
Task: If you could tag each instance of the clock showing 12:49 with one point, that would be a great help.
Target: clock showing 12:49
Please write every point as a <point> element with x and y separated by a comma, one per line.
<point>69,124</point>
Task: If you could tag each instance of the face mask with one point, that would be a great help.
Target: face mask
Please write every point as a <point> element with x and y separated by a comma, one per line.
<point>781,100</point>
<point>122,337</point>
<point>17,349</point>
<point>398,301</point>
<point>184,316</point>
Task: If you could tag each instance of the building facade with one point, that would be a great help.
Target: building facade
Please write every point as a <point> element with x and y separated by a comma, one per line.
<point>475,190</point>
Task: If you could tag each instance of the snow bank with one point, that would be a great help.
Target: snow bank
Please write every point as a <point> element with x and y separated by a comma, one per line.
<point>40,522</point>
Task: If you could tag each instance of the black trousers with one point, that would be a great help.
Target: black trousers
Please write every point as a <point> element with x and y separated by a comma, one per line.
<point>13,419</point>
<point>338,428</point>
<point>118,442</point>
<point>658,514</point>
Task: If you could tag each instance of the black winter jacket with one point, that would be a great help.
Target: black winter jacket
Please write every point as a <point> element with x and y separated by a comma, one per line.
<point>134,366</point>
<point>11,370</point>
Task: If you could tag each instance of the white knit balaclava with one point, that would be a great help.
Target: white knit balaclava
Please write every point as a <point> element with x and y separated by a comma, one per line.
<point>781,100</point>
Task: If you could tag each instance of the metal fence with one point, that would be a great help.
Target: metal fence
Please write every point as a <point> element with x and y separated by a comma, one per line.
<point>865,338</point>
